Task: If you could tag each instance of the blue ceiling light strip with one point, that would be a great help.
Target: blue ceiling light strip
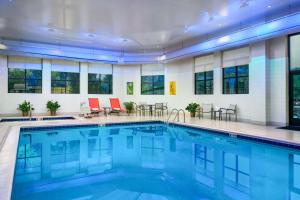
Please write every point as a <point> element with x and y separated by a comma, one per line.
<point>274,28</point>
<point>281,26</point>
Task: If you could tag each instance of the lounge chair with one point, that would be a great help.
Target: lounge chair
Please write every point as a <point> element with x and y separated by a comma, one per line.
<point>116,106</point>
<point>231,110</point>
<point>95,106</point>
<point>206,109</point>
<point>85,110</point>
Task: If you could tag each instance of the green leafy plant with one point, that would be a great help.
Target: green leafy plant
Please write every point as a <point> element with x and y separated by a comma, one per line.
<point>129,106</point>
<point>25,108</point>
<point>192,108</point>
<point>52,107</point>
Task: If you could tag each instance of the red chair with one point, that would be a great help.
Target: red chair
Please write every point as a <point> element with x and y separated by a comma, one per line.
<point>94,106</point>
<point>115,105</point>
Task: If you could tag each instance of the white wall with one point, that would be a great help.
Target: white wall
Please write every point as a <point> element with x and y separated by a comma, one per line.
<point>265,103</point>
<point>277,81</point>
<point>70,103</point>
<point>251,107</point>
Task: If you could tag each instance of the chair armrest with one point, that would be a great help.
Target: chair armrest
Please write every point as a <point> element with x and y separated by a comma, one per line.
<point>230,110</point>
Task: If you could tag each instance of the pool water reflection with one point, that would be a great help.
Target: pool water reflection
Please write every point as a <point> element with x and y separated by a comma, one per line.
<point>151,161</point>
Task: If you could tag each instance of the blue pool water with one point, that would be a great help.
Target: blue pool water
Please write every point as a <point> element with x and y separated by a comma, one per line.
<point>152,161</point>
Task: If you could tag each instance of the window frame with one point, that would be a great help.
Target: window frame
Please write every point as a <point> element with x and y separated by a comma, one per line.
<point>236,77</point>
<point>26,80</point>
<point>153,85</point>
<point>205,81</point>
<point>65,80</point>
<point>99,82</point>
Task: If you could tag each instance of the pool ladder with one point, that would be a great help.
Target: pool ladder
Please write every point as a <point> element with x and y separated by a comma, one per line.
<point>177,112</point>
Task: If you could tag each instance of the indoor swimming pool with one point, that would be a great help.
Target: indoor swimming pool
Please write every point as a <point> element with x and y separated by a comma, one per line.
<point>157,161</point>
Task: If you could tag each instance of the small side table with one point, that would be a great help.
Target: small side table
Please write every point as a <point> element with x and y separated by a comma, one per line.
<point>106,110</point>
<point>215,112</point>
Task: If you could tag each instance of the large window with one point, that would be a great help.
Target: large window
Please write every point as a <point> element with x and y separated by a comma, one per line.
<point>65,83</point>
<point>100,83</point>
<point>236,80</point>
<point>204,82</point>
<point>153,85</point>
<point>294,79</point>
<point>24,80</point>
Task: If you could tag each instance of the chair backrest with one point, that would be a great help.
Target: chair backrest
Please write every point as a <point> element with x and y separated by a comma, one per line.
<point>115,103</point>
<point>232,107</point>
<point>94,103</point>
<point>159,105</point>
<point>207,107</point>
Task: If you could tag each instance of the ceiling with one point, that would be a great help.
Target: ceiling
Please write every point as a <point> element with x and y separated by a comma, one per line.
<point>132,25</point>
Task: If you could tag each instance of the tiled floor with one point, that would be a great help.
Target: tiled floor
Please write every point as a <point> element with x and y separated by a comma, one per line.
<point>9,149</point>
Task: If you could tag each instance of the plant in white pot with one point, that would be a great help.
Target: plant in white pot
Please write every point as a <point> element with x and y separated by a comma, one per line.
<point>26,107</point>
<point>192,108</point>
<point>52,107</point>
<point>129,106</point>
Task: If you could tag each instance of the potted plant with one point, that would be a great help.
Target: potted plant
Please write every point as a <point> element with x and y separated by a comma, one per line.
<point>192,108</point>
<point>52,107</point>
<point>25,108</point>
<point>129,107</point>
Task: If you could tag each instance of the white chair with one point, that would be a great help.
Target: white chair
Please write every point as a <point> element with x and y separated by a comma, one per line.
<point>206,109</point>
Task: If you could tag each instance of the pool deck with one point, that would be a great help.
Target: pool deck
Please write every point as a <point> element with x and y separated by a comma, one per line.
<point>9,133</point>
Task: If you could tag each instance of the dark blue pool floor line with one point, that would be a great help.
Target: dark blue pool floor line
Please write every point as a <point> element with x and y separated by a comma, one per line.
<point>34,119</point>
<point>230,134</point>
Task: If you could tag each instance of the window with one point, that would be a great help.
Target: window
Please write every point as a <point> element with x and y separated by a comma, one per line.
<point>24,80</point>
<point>236,80</point>
<point>153,85</point>
<point>65,83</point>
<point>204,82</point>
<point>100,83</point>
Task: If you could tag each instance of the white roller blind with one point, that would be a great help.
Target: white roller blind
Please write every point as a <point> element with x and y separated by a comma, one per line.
<point>24,62</point>
<point>236,57</point>
<point>152,69</point>
<point>204,63</point>
<point>100,68</point>
<point>65,66</point>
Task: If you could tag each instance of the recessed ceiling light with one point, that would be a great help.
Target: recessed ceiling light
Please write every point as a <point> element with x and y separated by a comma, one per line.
<point>186,29</point>
<point>3,46</point>
<point>269,6</point>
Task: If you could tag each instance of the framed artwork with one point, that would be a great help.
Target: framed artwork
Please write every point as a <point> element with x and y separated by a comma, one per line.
<point>172,88</point>
<point>129,88</point>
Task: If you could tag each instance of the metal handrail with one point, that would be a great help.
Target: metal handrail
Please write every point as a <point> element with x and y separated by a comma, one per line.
<point>177,115</point>
<point>183,115</point>
<point>174,109</point>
